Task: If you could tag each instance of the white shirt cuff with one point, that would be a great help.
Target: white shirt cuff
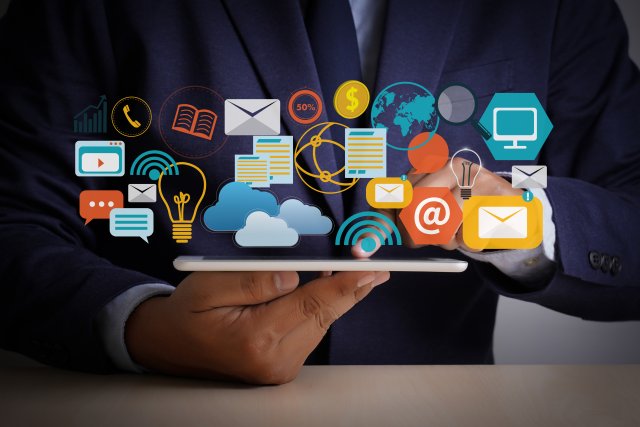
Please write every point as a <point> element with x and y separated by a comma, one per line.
<point>526,265</point>
<point>113,317</point>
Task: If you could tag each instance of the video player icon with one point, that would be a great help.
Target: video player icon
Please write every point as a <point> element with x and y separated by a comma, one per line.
<point>99,158</point>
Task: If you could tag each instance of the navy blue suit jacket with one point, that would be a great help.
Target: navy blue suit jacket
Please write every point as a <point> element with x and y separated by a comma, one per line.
<point>58,56</point>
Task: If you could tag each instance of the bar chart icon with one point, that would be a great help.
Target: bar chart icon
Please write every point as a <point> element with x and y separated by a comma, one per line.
<point>92,119</point>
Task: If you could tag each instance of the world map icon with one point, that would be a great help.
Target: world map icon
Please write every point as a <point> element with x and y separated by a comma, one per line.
<point>320,137</point>
<point>406,109</point>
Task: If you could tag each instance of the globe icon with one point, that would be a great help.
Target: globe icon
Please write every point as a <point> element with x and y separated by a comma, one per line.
<point>406,109</point>
<point>316,139</point>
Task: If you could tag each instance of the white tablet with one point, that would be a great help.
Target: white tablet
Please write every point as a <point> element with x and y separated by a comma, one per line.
<point>213,263</point>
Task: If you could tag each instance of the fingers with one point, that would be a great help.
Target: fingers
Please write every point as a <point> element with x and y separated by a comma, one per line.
<point>320,309</point>
<point>321,301</point>
<point>224,289</point>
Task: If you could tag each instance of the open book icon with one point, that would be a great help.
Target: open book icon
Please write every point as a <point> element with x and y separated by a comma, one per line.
<point>190,120</point>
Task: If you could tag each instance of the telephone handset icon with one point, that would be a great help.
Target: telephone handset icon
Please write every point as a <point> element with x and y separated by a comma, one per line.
<point>136,124</point>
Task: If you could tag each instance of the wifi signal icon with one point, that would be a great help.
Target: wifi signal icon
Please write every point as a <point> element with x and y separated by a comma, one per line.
<point>360,224</point>
<point>153,163</point>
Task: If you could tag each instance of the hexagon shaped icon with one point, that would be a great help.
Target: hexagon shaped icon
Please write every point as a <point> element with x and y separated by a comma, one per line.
<point>433,216</point>
<point>518,124</point>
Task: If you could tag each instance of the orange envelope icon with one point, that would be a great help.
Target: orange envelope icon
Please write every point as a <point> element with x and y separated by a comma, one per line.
<point>502,222</point>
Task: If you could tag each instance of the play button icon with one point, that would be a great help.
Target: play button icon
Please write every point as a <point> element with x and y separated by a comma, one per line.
<point>99,158</point>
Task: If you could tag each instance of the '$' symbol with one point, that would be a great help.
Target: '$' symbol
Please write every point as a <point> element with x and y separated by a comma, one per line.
<point>351,97</point>
<point>431,215</point>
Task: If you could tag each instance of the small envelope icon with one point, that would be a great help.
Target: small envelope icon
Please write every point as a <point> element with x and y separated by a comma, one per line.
<point>529,176</point>
<point>389,193</point>
<point>502,222</point>
<point>142,193</point>
<point>252,117</point>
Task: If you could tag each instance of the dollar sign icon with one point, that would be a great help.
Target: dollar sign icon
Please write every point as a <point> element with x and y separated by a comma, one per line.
<point>352,99</point>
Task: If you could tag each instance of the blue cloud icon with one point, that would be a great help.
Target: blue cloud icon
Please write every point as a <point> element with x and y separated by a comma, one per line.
<point>235,202</point>
<point>264,231</point>
<point>305,219</point>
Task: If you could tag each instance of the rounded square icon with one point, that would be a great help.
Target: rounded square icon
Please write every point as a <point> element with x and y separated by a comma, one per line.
<point>99,158</point>
<point>502,222</point>
<point>389,193</point>
<point>432,217</point>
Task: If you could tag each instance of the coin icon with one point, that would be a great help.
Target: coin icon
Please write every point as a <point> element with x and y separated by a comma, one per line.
<point>351,99</point>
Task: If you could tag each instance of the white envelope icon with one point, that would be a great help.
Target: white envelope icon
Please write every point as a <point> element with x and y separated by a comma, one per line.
<point>389,193</point>
<point>252,117</point>
<point>502,222</point>
<point>142,193</point>
<point>529,176</point>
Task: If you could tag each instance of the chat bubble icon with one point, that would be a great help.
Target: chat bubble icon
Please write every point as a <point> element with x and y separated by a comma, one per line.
<point>131,222</point>
<point>97,204</point>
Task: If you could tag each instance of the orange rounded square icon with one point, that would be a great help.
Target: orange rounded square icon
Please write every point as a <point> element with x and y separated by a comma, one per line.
<point>389,193</point>
<point>502,222</point>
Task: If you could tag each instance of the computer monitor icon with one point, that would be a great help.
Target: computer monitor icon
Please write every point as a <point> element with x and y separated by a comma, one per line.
<point>515,125</point>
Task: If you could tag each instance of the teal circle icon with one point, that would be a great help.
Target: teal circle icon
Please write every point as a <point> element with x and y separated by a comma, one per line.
<point>527,196</point>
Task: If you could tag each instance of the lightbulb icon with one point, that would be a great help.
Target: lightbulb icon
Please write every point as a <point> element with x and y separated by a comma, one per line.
<point>465,174</point>
<point>181,205</point>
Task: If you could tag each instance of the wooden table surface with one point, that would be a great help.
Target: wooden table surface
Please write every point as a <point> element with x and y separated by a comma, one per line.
<point>509,395</point>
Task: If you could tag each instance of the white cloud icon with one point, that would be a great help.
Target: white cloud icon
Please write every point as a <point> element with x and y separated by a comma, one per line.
<point>262,230</point>
<point>305,219</point>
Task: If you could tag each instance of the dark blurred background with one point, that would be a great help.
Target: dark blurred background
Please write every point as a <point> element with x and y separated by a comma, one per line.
<point>528,333</point>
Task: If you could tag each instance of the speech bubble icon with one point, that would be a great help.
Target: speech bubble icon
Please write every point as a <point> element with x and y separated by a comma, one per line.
<point>429,157</point>
<point>97,204</point>
<point>131,222</point>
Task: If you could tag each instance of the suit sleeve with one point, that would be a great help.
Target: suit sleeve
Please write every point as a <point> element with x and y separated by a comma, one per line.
<point>593,155</point>
<point>56,59</point>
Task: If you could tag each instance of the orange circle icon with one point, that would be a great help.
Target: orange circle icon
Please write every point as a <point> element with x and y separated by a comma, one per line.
<point>305,106</point>
<point>432,217</point>
<point>430,157</point>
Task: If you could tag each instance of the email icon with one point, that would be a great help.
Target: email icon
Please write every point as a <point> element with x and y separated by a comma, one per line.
<point>142,193</point>
<point>252,117</point>
<point>502,222</point>
<point>389,193</point>
<point>498,222</point>
<point>529,176</point>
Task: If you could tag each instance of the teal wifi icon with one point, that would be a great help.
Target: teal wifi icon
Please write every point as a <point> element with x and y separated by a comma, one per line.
<point>153,163</point>
<point>369,226</point>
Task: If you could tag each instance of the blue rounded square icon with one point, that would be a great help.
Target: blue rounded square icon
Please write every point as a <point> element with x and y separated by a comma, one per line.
<point>518,124</point>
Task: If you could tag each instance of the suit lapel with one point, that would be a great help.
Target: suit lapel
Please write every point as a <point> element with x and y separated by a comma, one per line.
<point>416,42</point>
<point>276,39</point>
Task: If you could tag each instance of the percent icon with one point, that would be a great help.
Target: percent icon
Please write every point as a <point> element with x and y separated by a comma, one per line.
<point>305,106</point>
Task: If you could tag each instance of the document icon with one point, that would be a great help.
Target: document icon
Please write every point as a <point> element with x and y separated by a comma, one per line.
<point>142,193</point>
<point>389,193</point>
<point>252,117</point>
<point>279,150</point>
<point>529,176</point>
<point>252,170</point>
<point>502,222</point>
<point>365,153</point>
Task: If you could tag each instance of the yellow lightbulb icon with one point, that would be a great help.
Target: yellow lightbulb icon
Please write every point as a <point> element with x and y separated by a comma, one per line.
<point>182,208</point>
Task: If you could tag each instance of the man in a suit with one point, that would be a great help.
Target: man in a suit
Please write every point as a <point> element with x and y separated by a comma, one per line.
<point>75,297</point>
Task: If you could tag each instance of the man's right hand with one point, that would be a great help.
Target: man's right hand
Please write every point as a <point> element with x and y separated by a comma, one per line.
<point>257,327</point>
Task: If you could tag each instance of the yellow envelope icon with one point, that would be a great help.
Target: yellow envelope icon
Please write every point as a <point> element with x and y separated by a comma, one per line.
<point>391,193</point>
<point>502,222</point>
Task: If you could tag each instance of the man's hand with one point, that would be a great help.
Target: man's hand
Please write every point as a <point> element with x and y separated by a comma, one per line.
<point>487,184</point>
<point>257,327</point>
